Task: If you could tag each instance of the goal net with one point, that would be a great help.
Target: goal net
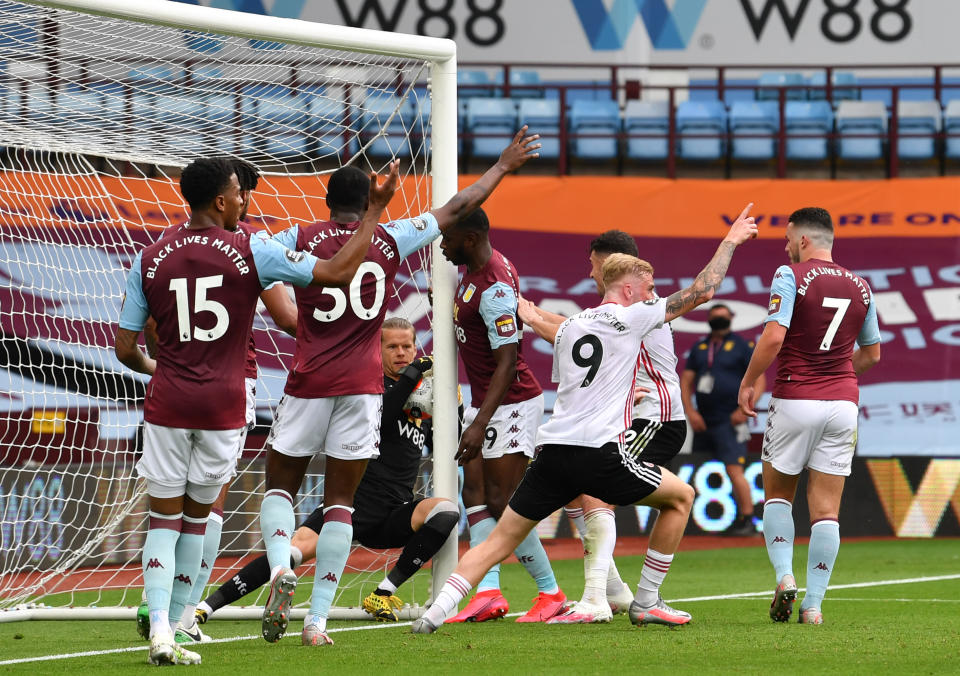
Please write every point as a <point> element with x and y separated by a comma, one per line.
<point>99,114</point>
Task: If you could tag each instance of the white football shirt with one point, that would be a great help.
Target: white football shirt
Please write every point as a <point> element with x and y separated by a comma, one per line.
<point>595,363</point>
<point>658,373</point>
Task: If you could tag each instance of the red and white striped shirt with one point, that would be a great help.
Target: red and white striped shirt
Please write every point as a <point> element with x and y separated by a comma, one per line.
<point>658,373</point>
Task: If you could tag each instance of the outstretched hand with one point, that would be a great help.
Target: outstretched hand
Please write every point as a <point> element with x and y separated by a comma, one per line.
<point>521,149</point>
<point>744,228</point>
<point>527,311</point>
<point>381,194</point>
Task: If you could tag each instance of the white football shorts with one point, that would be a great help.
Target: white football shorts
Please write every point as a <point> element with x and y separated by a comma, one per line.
<point>251,413</point>
<point>345,427</point>
<point>817,434</point>
<point>173,456</point>
<point>512,429</point>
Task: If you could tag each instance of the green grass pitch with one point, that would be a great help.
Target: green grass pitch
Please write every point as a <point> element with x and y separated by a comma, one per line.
<point>901,626</point>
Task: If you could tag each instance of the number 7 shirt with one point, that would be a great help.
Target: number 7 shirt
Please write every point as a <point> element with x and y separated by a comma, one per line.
<point>338,329</point>
<point>825,309</point>
<point>202,287</point>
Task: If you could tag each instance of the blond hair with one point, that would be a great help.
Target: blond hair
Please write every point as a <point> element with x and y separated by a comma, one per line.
<point>620,265</point>
<point>398,324</point>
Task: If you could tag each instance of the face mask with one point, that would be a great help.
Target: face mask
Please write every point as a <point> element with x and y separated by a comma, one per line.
<point>719,323</point>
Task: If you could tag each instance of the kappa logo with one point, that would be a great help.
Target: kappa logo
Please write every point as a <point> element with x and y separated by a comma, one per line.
<point>330,577</point>
<point>154,563</point>
<point>499,294</point>
<point>821,566</point>
<point>514,443</point>
<point>514,414</point>
<point>779,538</point>
<point>280,533</point>
<point>185,579</point>
<point>668,29</point>
<point>514,429</point>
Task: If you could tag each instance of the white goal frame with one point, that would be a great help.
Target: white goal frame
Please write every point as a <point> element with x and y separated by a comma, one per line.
<point>441,53</point>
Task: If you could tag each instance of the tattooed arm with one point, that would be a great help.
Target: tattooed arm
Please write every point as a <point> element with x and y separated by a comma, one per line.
<point>514,156</point>
<point>707,282</point>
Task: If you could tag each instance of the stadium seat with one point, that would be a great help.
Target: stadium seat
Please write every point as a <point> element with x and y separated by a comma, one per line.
<point>700,126</point>
<point>770,81</point>
<point>843,86</point>
<point>282,119</point>
<point>382,126</point>
<point>594,117</point>
<point>860,129</point>
<point>520,81</point>
<point>749,118</point>
<point>328,124</point>
<point>951,125</point>
<point>491,116</point>
<point>918,117</point>
<point>542,116</point>
<point>182,116</point>
<point>808,117</point>
<point>647,117</point>
<point>156,79</point>
<point>465,78</point>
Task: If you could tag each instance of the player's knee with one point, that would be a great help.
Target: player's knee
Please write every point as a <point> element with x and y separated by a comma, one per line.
<point>496,503</point>
<point>686,496</point>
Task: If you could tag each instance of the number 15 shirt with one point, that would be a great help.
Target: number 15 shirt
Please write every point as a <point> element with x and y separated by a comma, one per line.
<point>202,287</point>
<point>595,361</point>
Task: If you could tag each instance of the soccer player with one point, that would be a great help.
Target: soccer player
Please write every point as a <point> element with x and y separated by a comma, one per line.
<point>332,399</point>
<point>507,405</point>
<point>656,435</point>
<point>196,283</point>
<point>817,311</point>
<point>386,513</point>
<point>284,313</point>
<point>595,361</point>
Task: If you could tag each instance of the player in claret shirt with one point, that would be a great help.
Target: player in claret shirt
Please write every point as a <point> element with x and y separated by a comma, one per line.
<point>332,400</point>
<point>201,285</point>
<point>818,311</point>
<point>501,422</point>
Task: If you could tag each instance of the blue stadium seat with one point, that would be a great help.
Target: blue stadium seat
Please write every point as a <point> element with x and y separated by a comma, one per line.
<point>699,119</point>
<point>520,81</point>
<point>184,118</point>
<point>918,117</point>
<point>465,78</point>
<point>155,79</point>
<point>491,116</point>
<point>647,117</point>
<point>857,122</point>
<point>38,102</point>
<point>542,116</point>
<point>329,126</point>
<point>844,86</point>
<point>951,125</point>
<point>594,117</point>
<point>281,118</point>
<point>383,123</point>
<point>808,117</point>
<point>772,80</point>
<point>749,118</point>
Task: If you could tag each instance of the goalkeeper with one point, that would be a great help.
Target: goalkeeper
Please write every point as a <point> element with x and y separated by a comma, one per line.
<point>387,514</point>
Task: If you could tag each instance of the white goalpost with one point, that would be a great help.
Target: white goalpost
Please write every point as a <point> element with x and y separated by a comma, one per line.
<point>102,102</point>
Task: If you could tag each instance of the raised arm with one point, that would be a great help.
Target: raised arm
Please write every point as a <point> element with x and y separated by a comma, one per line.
<point>514,156</point>
<point>340,269</point>
<point>707,282</point>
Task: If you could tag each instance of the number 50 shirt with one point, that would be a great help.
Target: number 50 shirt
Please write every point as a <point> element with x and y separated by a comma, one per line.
<point>595,361</point>
<point>338,329</point>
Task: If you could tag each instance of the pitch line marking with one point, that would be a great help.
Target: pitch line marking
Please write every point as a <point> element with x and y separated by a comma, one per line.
<point>718,597</point>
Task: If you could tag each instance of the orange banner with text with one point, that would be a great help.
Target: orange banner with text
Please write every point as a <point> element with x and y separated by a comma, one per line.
<point>647,207</point>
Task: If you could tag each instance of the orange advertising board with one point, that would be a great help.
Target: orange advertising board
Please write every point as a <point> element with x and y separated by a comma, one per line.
<point>647,207</point>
